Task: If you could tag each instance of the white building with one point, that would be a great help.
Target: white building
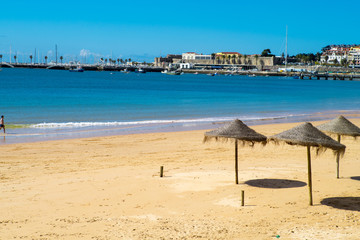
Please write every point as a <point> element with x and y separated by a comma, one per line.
<point>335,53</point>
<point>195,56</point>
<point>186,65</point>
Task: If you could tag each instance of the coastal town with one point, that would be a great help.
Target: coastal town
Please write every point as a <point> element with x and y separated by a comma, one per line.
<point>343,59</point>
<point>332,55</point>
<point>335,55</point>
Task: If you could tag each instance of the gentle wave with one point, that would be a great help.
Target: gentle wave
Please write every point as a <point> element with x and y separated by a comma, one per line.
<point>15,126</point>
<point>153,122</point>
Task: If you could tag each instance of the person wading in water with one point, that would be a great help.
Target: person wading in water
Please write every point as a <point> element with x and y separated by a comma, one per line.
<point>2,125</point>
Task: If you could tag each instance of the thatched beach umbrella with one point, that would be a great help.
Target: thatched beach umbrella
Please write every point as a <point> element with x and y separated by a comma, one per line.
<point>237,131</point>
<point>341,127</point>
<point>307,135</point>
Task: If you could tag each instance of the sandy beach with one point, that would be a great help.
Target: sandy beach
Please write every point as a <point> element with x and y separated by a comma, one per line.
<point>109,188</point>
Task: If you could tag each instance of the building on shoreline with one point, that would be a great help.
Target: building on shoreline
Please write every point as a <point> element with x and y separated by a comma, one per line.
<point>341,54</point>
<point>354,55</point>
<point>218,60</point>
<point>335,54</point>
<point>164,62</point>
<point>195,56</point>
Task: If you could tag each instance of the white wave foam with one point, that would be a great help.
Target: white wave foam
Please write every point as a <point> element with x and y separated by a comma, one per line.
<point>109,124</point>
<point>152,122</point>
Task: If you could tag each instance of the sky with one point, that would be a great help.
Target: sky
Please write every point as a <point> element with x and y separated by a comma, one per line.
<point>142,30</point>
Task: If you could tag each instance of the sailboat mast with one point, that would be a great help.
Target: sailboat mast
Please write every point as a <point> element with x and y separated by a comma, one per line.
<point>56,53</point>
<point>286,47</point>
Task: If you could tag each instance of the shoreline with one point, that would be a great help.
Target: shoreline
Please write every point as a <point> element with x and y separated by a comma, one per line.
<point>327,72</point>
<point>18,135</point>
<point>109,188</point>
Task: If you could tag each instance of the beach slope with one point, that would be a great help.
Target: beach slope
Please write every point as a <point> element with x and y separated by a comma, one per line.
<point>109,188</point>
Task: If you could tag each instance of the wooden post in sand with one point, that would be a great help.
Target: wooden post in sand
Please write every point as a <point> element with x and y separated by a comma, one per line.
<point>309,175</point>
<point>236,162</point>
<point>242,197</point>
<point>338,160</point>
<point>161,171</point>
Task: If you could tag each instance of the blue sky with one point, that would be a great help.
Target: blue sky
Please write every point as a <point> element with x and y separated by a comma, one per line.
<point>142,30</point>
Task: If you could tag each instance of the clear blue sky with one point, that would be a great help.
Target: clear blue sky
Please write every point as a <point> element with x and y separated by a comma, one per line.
<point>142,29</point>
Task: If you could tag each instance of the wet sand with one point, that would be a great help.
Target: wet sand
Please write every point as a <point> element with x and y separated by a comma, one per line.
<point>109,188</point>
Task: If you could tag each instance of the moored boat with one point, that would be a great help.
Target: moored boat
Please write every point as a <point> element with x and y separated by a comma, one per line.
<point>173,73</point>
<point>77,69</point>
<point>140,70</point>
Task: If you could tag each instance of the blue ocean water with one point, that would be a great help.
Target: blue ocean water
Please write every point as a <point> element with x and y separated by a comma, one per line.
<point>41,104</point>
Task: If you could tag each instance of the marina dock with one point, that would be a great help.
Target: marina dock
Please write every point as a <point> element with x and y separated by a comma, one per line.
<point>352,76</point>
<point>330,76</point>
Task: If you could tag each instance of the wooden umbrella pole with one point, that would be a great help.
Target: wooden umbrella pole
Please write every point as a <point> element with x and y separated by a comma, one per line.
<point>309,175</point>
<point>338,160</point>
<point>236,162</point>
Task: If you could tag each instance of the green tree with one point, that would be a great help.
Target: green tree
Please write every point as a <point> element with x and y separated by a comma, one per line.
<point>306,57</point>
<point>1,56</point>
<point>213,57</point>
<point>256,58</point>
<point>326,58</point>
<point>229,57</point>
<point>15,58</point>
<point>217,58</point>
<point>233,57</point>
<point>61,59</point>
<point>31,57</point>
<point>46,59</point>
<point>336,61</point>
<point>245,57</point>
<point>343,62</point>
<point>266,52</point>
<point>239,59</point>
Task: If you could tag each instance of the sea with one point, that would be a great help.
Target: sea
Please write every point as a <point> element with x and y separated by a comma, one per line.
<point>44,104</point>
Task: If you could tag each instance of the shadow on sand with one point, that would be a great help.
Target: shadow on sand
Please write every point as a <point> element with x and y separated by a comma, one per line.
<point>355,178</point>
<point>346,203</point>
<point>275,183</point>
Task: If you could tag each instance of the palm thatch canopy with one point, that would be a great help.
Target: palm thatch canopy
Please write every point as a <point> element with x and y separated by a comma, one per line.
<point>235,130</point>
<point>308,135</point>
<point>340,126</point>
<point>238,131</point>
